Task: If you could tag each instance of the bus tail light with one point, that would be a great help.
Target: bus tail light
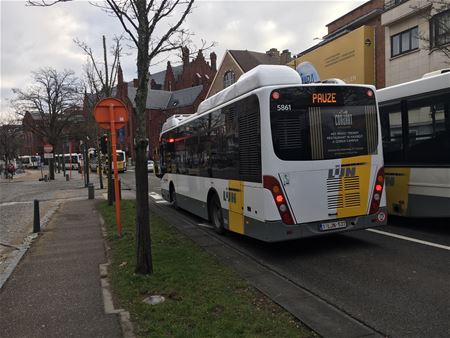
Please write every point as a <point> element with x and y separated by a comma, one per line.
<point>377,192</point>
<point>272,184</point>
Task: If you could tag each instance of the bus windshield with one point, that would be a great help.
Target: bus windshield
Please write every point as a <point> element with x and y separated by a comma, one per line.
<point>323,122</point>
<point>74,159</point>
<point>120,156</point>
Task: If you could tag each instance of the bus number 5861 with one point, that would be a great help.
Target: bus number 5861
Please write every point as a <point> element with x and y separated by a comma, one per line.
<point>283,107</point>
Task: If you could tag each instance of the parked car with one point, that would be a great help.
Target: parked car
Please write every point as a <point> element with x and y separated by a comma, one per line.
<point>150,166</point>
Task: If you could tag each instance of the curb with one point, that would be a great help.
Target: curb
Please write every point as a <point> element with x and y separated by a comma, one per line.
<point>124,316</point>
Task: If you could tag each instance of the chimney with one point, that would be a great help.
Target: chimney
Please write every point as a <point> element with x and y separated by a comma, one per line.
<point>185,55</point>
<point>273,52</point>
<point>213,58</point>
<point>285,57</point>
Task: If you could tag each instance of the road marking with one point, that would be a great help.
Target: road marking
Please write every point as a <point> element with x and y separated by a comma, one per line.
<point>162,202</point>
<point>5,204</point>
<point>410,239</point>
<point>155,196</point>
<point>209,226</point>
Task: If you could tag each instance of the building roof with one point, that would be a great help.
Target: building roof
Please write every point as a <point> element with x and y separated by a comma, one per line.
<point>162,99</point>
<point>185,97</point>
<point>161,76</point>
<point>248,60</point>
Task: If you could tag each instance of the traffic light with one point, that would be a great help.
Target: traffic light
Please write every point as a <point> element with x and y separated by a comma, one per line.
<point>104,144</point>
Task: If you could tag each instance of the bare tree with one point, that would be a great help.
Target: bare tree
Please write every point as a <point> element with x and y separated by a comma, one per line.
<point>140,20</point>
<point>100,79</point>
<point>10,141</point>
<point>438,38</point>
<point>53,101</point>
<point>154,28</point>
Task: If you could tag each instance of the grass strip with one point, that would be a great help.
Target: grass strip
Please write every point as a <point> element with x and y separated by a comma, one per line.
<point>204,298</point>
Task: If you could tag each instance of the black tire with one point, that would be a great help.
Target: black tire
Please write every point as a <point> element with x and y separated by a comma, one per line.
<point>173,196</point>
<point>215,214</point>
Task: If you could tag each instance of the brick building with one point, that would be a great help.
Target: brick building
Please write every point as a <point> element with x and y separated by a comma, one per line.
<point>176,90</point>
<point>37,132</point>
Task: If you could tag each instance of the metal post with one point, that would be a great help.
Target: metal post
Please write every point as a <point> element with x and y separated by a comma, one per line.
<point>37,218</point>
<point>86,162</point>
<point>91,191</point>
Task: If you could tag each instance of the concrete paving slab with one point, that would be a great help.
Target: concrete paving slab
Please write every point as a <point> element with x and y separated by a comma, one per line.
<point>55,291</point>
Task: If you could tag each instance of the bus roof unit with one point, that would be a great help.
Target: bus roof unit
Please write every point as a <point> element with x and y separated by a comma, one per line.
<point>174,120</point>
<point>260,76</point>
<point>414,88</point>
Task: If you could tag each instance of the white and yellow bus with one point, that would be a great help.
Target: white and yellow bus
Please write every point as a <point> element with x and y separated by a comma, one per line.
<point>275,159</point>
<point>121,160</point>
<point>415,119</point>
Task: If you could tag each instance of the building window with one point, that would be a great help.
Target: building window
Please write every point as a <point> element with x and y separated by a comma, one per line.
<point>228,79</point>
<point>440,29</point>
<point>405,41</point>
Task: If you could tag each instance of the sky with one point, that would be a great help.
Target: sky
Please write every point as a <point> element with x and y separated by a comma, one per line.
<point>33,37</point>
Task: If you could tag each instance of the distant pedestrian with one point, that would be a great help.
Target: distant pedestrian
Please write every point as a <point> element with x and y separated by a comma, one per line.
<point>11,171</point>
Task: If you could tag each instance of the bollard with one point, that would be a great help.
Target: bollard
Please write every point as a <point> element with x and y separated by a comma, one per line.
<point>36,221</point>
<point>67,177</point>
<point>45,178</point>
<point>91,191</point>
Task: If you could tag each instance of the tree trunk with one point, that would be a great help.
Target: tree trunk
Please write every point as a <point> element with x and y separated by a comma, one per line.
<point>144,264</point>
<point>51,168</point>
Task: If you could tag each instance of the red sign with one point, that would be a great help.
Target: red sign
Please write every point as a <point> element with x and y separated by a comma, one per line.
<point>48,148</point>
<point>111,110</point>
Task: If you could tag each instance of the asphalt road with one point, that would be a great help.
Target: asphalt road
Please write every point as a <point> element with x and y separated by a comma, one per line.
<point>399,286</point>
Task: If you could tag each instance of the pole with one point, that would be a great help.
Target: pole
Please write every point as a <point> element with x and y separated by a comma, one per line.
<point>86,161</point>
<point>70,158</point>
<point>116,173</point>
<point>36,220</point>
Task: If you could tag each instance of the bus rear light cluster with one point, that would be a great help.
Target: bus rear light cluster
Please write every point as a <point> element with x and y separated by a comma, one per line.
<point>377,192</point>
<point>272,184</point>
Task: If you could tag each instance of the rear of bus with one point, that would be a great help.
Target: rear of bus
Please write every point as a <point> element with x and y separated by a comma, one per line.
<point>121,161</point>
<point>322,161</point>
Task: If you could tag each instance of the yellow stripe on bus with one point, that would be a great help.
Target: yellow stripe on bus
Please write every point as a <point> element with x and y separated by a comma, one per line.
<point>355,183</point>
<point>235,197</point>
<point>397,187</point>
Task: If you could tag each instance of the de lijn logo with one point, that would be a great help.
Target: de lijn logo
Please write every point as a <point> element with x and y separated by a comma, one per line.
<point>340,171</point>
<point>229,196</point>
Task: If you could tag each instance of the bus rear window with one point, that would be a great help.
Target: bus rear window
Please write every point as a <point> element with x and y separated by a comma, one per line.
<point>323,122</point>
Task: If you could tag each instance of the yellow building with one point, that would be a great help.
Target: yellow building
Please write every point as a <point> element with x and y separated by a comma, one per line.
<point>350,57</point>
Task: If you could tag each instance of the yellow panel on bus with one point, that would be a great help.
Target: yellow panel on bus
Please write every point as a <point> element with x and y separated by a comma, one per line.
<point>235,197</point>
<point>397,186</point>
<point>355,183</point>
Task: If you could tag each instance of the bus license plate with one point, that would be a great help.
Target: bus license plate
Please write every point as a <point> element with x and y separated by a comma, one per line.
<point>332,225</point>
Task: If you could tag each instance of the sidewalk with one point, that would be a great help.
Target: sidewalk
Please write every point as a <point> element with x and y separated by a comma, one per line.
<point>55,291</point>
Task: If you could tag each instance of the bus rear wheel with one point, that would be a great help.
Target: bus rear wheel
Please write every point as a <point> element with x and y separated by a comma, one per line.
<point>215,214</point>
